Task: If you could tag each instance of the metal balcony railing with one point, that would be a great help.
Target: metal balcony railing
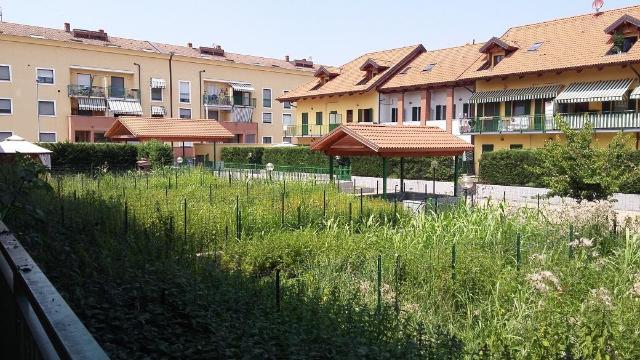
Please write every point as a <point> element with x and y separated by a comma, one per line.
<point>217,100</point>
<point>123,93</point>
<point>306,130</point>
<point>36,322</point>
<point>244,102</point>
<point>543,123</point>
<point>86,91</point>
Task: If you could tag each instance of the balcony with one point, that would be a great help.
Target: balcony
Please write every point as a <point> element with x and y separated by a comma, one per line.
<point>244,102</point>
<point>217,101</point>
<point>122,93</point>
<point>306,130</point>
<point>86,91</point>
<point>544,123</point>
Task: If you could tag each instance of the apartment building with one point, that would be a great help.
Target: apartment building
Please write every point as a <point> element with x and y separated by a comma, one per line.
<point>70,84</point>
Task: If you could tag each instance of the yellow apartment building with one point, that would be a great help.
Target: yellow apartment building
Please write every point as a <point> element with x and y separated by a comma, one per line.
<point>70,84</point>
<point>582,69</point>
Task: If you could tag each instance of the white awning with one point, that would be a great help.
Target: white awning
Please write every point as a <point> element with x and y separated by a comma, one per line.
<point>636,93</point>
<point>238,86</point>
<point>158,83</point>
<point>539,92</point>
<point>158,110</point>
<point>604,90</point>
<point>125,107</point>
<point>92,104</point>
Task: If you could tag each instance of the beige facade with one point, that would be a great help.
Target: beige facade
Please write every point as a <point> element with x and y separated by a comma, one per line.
<point>90,83</point>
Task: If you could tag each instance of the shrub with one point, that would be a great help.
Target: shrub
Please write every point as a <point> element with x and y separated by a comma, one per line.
<point>159,153</point>
<point>242,155</point>
<point>510,167</point>
<point>296,156</point>
<point>85,156</point>
<point>414,168</point>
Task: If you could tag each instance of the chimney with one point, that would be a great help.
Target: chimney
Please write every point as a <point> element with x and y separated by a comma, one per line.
<point>101,31</point>
<point>67,27</point>
<point>190,45</point>
<point>286,58</point>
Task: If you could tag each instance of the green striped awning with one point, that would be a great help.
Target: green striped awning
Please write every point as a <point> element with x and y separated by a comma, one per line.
<point>539,92</point>
<point>92,104</point>
<point>604,90</point>
<point>125,107</point>
<point>635,94</point>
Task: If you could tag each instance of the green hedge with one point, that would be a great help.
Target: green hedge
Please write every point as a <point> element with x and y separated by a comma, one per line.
<point>414,168</point>
<point>510,167</point>
<point>298,156</point>
<point>84,156</point>
<point>159,153</point>
<point>243,155</point>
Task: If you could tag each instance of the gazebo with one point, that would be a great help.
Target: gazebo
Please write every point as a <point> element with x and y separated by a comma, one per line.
<point>389,141</point>
<point>167,129</point>
<point>16,145</point>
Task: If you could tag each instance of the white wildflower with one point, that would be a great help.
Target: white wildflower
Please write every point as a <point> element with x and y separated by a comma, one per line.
<point>581,243</point>
<point>602,296</point>
<point>544,281</point>
<point>635,291</point>
<point>537,257</point>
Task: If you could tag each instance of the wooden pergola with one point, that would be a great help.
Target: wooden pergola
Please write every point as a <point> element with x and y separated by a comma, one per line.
<point>389,141</point>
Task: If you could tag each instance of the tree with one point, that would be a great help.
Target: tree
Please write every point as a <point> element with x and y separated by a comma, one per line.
<point>578,170</point>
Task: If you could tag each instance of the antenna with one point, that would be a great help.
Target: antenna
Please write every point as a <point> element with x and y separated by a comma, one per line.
<point>0,13</point>
<point>597,5</point>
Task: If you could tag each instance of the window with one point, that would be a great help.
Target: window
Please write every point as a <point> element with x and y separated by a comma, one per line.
<point>5,107</point>
<point>487,148</point>
<point>117,87</point>
<point>287,119</point>
<point>535,46</point>
<point>415,113</point>
<point>156,94</point>
<point>574,108</point>
<point>83,136</point>
<point>266,98</point>
<point>266,139</point>
<point>489,109</point>
<point>99,137</point>
<point>5,73</point>
<point>497,59</point>
<point>213,114</point>
<point>286,104</point>
<point>83,80</point>
<point>47,137</point>
<point>46,108</point>
<point>250,139</point>
<point>520,108</point>
<point>628,43</point>
<point>428,68</point>
<point>45,76</point>
<point>618,106</point>
<point>286,139</point>
<point>185,113</point>
<point>394,114</point>
<point>350,116</point>
<point>319,118</point>
<point>441,112</point>
<point>516,147</point>
<point>365,115</point>
<point>266,118</point>
<point>5,134</point>
<point>185,93</point>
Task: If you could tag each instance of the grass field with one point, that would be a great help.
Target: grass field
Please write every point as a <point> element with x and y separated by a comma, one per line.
<point>232,275</point>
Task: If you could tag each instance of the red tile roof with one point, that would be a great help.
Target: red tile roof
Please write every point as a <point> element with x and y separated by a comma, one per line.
<point>167,129</point>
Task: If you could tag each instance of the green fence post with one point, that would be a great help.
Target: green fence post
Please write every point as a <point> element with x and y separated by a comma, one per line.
<point>402,175</point>
<point>384,177</point>
<point>379,283</point>
<point>456,173</point>
<point>330,168</point>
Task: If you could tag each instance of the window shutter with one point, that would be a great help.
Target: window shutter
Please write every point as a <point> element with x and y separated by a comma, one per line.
<point>360,111</point>
<point>438,112</point>
<point>508,105</point>
<point>539,106</point>
<point>370,117</point>
<point>527,107</point>
<point>444,112</point>
<point>480,110</point>
<point>305,118</point>
<point>318,118</point>
<point>606,106</point>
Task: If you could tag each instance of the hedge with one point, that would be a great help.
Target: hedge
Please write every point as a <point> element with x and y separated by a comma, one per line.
<point>159,153</point>
<point>510,167</point>
<point>84,156</point>
<point>415,168</point>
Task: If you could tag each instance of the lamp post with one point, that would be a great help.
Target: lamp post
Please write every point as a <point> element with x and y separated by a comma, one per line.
<point>467,184</point>
<point>179,160</point>
<point>269,168</point>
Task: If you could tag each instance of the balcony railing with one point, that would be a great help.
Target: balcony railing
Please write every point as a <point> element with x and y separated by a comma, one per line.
<point>306,130</point>
<point>217,100</point>
<point>122,93</point>
<point>86,91</point>
<point>543,123</point>
<point>244,102</point>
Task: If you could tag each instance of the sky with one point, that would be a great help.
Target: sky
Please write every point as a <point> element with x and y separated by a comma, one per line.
<point>332,32</point>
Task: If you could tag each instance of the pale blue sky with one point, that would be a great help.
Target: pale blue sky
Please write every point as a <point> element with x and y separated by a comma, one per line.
<point>331,31</point>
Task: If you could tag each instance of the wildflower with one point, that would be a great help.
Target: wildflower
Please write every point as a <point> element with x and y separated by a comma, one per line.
<point>365,287</point>
<point>602,296</point>
<point>537,257</point>
<point>581,243</point>
<point>635,291</point>
<point>544,281</point>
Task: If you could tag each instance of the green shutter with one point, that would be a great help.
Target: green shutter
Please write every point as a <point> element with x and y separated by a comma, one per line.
<point>305,118</point>
<point>480,110</point>
<point>527,107</point>
<point>538,106</point>
<point>360,111</point>
<point>508,105</point>
<point>319,118</point>
<point>370,114</point>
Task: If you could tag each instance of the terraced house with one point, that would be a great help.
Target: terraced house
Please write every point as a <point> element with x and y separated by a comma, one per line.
<point>71,84</point>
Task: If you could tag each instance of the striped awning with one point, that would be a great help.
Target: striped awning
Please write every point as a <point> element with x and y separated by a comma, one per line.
<point>539,92</point>
<point>158,110</point>
<point>92,104</point>
<point>238,86</point>
<point>604,90</point>
<point>635,94</point>
<point>125,107</point>
<point>158,83</point>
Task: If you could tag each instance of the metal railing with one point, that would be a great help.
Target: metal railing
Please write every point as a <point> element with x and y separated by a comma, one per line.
<point>237,101</point>
<point>542,123</point>
<point>217,100</point>
<point>123,93</point>
<point>36,322</point>
<point>307,130</point>
<point>340,172</point>
<point>87,91</point>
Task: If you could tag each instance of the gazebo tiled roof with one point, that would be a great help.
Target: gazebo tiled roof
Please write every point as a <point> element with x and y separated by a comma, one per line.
<point>167,129</point>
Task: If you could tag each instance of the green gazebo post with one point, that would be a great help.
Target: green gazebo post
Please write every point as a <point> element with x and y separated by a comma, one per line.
<point>456,173</point>
<point>384,176</point>
<point>402,175</point>
<point>330,168</point>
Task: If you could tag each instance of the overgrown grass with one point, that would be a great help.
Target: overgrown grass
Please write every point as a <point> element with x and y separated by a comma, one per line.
<point>144,288</point>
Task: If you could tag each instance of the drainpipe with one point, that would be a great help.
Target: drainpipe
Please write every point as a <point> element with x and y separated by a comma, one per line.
<point>201,100</point>
<point>171,83</point>
<point>139,82</point>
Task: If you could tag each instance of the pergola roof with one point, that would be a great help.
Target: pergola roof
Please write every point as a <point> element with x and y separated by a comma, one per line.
<point>390,141</point>
<point>167,129</point>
